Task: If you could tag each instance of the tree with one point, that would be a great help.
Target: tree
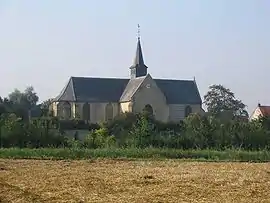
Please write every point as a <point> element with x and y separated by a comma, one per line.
<point>23,102</point>
<point>220,101</point>
<point>28,98</point>
<point>15,96</point>
<point>46,108</point>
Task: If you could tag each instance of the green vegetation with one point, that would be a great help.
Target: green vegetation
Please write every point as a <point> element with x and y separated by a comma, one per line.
<point>223,133</point>
<point>130,153</point>
<point>141,131</point>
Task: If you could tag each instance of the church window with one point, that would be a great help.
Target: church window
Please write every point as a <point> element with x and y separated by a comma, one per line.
<point>188,110</point>
<point>77,111</point>
<point>109,112</point>
<point>148,109</point>
<point>86,112</point>
<point>64,110</point>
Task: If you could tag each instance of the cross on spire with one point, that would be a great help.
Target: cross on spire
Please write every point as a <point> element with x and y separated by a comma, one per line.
<point>139,31</point>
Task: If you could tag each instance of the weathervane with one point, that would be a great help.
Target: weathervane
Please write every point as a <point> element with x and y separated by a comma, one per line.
<point>139,32</point>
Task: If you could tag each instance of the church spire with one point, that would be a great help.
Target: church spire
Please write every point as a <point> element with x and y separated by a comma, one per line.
<point>138,68</point>
<point>139,56</point>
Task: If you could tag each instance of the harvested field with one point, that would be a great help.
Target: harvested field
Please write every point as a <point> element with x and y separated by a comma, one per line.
<point>133,181</point>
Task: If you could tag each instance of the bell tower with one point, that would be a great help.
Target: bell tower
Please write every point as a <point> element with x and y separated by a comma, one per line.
<point>138,68</point>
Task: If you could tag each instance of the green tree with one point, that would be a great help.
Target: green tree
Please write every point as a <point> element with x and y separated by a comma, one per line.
<point>28,98</point>
<point>221,101</point>
<point>46,107</point>
<point>143,132</point>
<point>23,102</point>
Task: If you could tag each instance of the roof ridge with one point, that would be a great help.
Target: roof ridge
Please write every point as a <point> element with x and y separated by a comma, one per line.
<point>99,78</point>
<point>187,80</point>
<point>173,79</point>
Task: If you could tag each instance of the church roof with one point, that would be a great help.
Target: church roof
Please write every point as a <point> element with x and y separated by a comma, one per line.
<point>179,91</point>
<point>82,89</point>
<point>132,86</point>
<point>265,110</point>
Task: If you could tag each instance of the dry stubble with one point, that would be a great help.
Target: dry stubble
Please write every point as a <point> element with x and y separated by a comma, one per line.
<point>133,181</point>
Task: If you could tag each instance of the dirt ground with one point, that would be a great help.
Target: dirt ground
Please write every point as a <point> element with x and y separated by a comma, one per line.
<point>133,181</point>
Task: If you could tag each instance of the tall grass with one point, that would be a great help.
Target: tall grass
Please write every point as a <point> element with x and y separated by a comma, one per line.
<point>129,153</point>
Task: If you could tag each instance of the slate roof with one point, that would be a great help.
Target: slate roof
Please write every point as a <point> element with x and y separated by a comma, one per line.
<point>180,91</point>
<point>265,110</point>
<point>131,88</point>
<point>82,89</point>
<point>138,60</point>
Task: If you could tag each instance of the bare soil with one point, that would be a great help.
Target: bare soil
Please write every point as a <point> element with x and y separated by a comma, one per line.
<point>133,181</point>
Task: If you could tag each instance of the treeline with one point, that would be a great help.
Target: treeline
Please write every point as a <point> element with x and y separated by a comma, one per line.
<point>24,123</point>
<point>138,131</point>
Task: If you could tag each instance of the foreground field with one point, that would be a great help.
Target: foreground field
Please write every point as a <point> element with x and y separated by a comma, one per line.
<point>133,181</point>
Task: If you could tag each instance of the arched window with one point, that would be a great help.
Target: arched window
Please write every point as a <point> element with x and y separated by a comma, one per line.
<point>67,110</point>
<point>188,110</point>
<point>148,109</point>
<point>77,111</point>
<point>109,112</point>
<point>64,110</point>
<point>86,112</point>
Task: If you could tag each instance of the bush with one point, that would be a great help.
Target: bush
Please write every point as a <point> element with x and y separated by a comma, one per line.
<point>99,139</point>
<point>139,131</point>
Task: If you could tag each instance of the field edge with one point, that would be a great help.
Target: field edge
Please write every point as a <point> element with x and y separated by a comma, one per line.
<point>134,153</point>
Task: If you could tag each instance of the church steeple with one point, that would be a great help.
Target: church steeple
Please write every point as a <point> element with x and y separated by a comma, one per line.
<point>139,56</point>
<point>138,68</point>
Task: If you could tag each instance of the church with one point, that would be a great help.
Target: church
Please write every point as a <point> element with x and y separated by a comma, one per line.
<point>101,99</point>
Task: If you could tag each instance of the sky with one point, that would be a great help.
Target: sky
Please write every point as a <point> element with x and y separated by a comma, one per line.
<point>43,43</point>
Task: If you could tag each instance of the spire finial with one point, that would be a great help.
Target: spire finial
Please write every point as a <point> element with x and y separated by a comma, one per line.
<point>139,32</point>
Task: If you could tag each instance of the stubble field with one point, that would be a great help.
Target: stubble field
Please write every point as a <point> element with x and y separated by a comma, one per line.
<point>133,181</point>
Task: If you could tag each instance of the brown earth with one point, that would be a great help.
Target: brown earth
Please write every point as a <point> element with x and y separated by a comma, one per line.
<point>133,181</point>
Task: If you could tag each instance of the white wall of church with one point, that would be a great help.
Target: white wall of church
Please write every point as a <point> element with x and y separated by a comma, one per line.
<point>177,111</point>
<point>97,110</point>
<point>162,111</point>
<point>256,114</point>
<point>54,108</point>
<point>98,113</point>
<point>125,107</point>
<point>149,93</point>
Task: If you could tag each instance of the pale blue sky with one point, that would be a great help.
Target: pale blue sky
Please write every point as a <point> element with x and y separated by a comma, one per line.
<point>43,43</point>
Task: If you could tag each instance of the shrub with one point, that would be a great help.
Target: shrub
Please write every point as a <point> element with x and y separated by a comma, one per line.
<point>138,130</point>
<point>99,138</point>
